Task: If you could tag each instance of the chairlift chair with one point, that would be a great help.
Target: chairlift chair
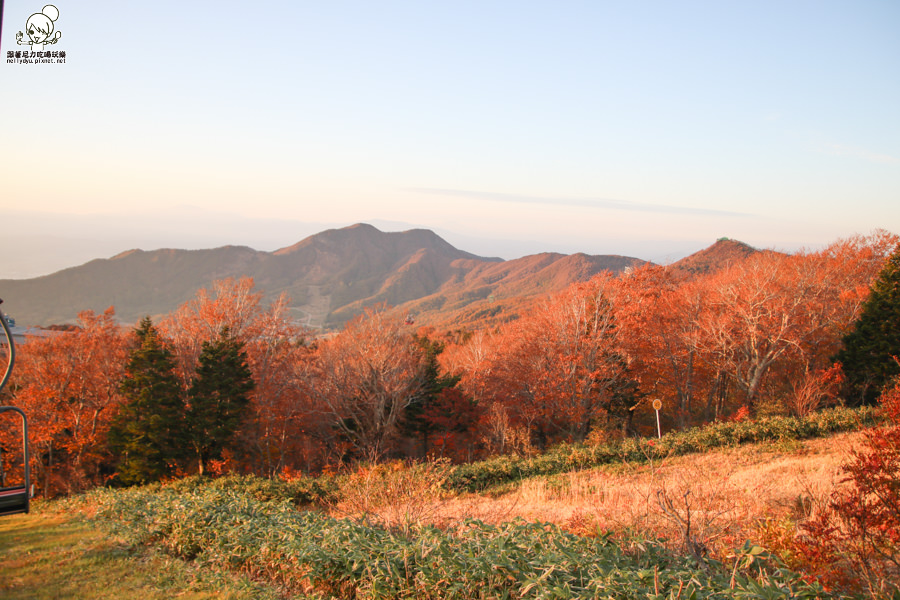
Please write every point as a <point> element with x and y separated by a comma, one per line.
<point>15,499</point>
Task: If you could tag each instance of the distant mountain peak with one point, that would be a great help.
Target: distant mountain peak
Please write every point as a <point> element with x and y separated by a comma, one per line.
<point>125,254</point>
<point>354,237</point>
<point>723,252</point>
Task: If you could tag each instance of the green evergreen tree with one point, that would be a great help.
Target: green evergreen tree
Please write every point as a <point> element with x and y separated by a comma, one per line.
<point>218,398</point>
<point>415,422</point>
<point>146,433</point>
<point>867,355</point>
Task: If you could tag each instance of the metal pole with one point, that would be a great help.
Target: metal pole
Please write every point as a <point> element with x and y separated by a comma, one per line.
<point>657,404</point>
<point>12,350</point>
<point>25,454</point>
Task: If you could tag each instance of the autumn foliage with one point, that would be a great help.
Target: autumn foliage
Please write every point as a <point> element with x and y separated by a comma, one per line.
<point>854,541</point>
<point>757,335</point>
<point>68,385</point>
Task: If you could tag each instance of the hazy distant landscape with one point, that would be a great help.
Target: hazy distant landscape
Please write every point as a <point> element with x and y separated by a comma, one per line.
<point>329,277</point>
<point>43,243</point>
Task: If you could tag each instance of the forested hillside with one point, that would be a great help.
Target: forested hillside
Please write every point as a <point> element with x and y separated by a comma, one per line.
<point>758,336</point>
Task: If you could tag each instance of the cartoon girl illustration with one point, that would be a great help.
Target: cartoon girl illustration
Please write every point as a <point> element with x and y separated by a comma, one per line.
<point>40,27</point>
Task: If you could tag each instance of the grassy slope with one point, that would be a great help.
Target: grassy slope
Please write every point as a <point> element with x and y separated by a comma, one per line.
<point>47,555</point>
<point>733,493</point>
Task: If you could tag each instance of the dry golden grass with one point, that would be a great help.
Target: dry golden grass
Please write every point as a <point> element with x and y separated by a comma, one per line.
<point>701,503</point>
<point>393,495</point>
<point>704,502</point>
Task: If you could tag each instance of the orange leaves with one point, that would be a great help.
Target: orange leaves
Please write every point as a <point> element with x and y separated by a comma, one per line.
<point>555,369</point>
<point>776,314</point>
<point>229,303</point>
<point>273,343</point>
<point>659,331</point>
<point>815,388</point>
<point>762,329</point>
<point>364,379</point>
<point>68,386</point>
<point>857,535</point>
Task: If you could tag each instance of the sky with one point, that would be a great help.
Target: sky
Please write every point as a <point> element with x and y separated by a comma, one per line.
<point>643,128</point>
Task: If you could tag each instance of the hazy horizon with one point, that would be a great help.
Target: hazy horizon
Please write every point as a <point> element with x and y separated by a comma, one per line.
<point>67,241</point>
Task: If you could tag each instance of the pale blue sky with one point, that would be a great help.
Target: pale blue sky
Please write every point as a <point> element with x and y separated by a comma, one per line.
<point>640,128</point>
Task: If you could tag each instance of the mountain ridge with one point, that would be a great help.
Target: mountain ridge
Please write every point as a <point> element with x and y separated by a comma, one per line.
<point>330,277</point>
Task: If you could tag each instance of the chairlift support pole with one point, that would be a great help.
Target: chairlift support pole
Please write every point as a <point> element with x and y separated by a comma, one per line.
<point>1,20</point>
<point>16,499</point>
<point>12,350</point>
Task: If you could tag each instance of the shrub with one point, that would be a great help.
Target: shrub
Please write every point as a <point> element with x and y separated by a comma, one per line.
<point>856,539</point>
<point>312,552</point>
<point>395,496</point>
<point>300,491</point>
<point>500,470</point>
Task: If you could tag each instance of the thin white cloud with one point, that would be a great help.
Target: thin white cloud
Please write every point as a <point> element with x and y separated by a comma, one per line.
<point>862,153</point>
<point>599,203</point>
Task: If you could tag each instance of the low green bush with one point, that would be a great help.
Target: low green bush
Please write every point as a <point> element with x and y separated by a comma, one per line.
<point>228,528</point>
<point>480,476</point>
<point>302,491</point>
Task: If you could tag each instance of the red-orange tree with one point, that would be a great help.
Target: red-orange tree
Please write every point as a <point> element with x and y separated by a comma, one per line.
<point>856,538</point>
<point>781,312</point>
<point>68,385</point>
<point>559,370</point>
<point>276,434</point>
<point>227,303</point>
<point>364,378</point>
<point>659,315</point>
<point>273,437</point>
